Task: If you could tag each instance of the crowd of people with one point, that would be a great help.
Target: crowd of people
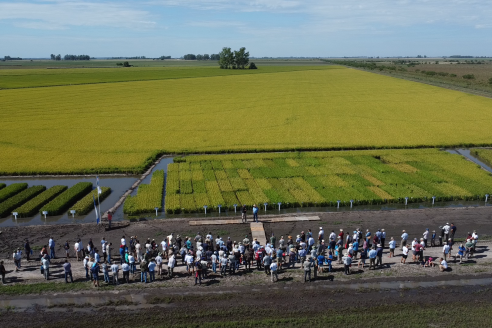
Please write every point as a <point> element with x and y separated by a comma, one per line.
<point>201,255</point>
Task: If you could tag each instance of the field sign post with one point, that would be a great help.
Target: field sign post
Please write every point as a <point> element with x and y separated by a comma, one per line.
<point>219,206</point>
<point>338,204</point>
<point>156,209</point>
<point>205,207</point>
<point>73,213</point>
<point>486,197</point>
<point>351,203</point>
<point>45,213</point>
<point>265,205</point>
<point>433,199</point>
<point>406,201</point>
<point>279,206</point>
<point>15,214</point>
<point>235,208</point>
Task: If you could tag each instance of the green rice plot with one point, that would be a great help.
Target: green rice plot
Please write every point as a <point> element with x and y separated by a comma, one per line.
<point>323,178</point>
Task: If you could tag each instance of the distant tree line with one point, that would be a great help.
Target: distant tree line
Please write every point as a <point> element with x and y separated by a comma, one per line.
<point>11,58</point>
<point>164,57</point>
<point>201,57</point>
<point>237,59</point>
<point>70,57</point>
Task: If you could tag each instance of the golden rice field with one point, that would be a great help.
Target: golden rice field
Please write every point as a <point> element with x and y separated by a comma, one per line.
<point>118,126</point>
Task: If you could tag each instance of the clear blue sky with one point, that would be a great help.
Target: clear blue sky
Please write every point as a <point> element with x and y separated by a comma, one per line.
<point>37,28</point>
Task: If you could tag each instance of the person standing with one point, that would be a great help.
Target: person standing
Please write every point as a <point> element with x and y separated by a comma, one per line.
<point>452,230</point>
<point>321,235</point>
<point>104,268</point>
<point>273,269</point>
<point>17,256</point>
<point>110,219</point>
<point>125,268</point>
<point>404,255</point>
<point>143,271</point>
<point>379,255</point>
<point>404,237</point>
<point>86,267</point>
<point>198,271</point>
<point>347,261</point>
<point>67,267</point>
<point>447,229</point>
<point>267,261</point>
<point>28,250</point>
<point>51,244</point>
<point>66,247</point>
<point>151,267</point>
<point>273,240</point>
<point>2,272</point>
<point>244,210</point>
<point>383,237</point>
<point>446,250</point>
<point>170,265</point>
<point>255,213</point>
<point>158,262</point>
<point>372,258</point>
<point>95,269</point>
<point>425,236</point>
<point>392,246</point>
<point>115,269</point>
<point>45,262</point>
<point>308,264</point>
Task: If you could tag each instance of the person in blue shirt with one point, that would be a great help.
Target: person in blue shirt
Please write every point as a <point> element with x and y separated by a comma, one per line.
<point>255,213</point>
<point>368,236</point>
<point>355,246</point>
<point>461,253</point>
<point>151,267</point>
<point>372,258</point>
<point>404,238</point>
<point>363,257</point>
<point>51,244</point>
<point>379,255</point>
<point>97,257</point>
<point>321,261</point>
<point>330,259</point>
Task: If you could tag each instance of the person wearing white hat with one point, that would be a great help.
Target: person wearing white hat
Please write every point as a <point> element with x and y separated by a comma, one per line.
<point>321,234</point>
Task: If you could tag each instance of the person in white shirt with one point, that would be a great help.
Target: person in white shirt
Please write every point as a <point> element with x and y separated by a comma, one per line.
<point>164,248</point>
<point>17,256</point>
<point>426,236</point>
<point>131,262</point>
<point>446,229</point>
<point>76,248</point>
<point>445,251</point>
<point>405,254</point>
<point>333,235</point>
<point>474,239</point>
<point>158,262</point>
<point>126,272</point>
<point>123,241</point>
<point>189,263</point>
<point>115,268</point>
<point>170,265</point>
<point>138,250</point>
<point>273,270</point>
<point>321,234</point>
<point>444,265</point>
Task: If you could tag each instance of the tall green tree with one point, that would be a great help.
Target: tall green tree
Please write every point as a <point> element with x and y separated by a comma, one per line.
<point>241,58</point>
<point>226,58</point>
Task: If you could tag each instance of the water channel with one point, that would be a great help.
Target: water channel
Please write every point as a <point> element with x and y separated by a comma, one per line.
<point>120,184</point>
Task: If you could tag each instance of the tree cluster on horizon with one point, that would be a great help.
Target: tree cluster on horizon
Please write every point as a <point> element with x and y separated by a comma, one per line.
<point>237,59</point>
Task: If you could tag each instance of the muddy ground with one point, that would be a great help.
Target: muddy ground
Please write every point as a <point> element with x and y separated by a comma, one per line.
<point>249,295</point>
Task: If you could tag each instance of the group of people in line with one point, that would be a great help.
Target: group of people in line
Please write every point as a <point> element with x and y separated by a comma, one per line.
<point>205,254</point>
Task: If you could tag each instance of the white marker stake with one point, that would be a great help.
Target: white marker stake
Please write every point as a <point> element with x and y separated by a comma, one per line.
<point>205,207</point>
<point>73,213</point>
<point>265,205</point>
<point>351,202</point>
<point>45,213</point>
<point>279,206</point>
<point>235,208</point>
<point>406,201</point>
<point>486,197</point>
<point>433,199</point>
<point>219,206</point>
<point>338,204</point>
<point>156,209</point>
<point>15,214</point>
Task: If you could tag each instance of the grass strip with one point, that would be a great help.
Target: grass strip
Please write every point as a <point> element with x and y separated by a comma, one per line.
<point>149,196</point>
<point>32,207</point>
<point>7,206</point>
<point>67,198</point>
<point>86,204</point>
<point>11,190</point>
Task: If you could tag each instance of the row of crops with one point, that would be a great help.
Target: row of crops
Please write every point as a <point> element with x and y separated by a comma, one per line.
<point>149,196</point>
<point>28,201</point>
<point>321,179</point>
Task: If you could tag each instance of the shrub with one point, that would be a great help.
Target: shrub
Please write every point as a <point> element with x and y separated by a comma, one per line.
<point>7,206</point>
<point>490,80</point>
<point>11,190</point>
<point>67,198</point>
<point>469,76</point>
<point>252,66</point>
<point>2,185</point>
<point>453,75</point>
<point>86,204</point>
<point>32,207</point>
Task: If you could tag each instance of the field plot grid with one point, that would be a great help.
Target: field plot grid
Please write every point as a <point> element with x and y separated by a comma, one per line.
<point>298,179</point>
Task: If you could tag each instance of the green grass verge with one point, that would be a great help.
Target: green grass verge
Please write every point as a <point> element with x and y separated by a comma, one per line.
<point>45,287</point>
<point>7,206</point>
<point>32,207</point>
<point>86,204</point>
<point>66,199</point>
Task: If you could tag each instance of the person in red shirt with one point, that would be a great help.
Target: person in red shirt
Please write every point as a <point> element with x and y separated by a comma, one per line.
<point>110,218</point>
